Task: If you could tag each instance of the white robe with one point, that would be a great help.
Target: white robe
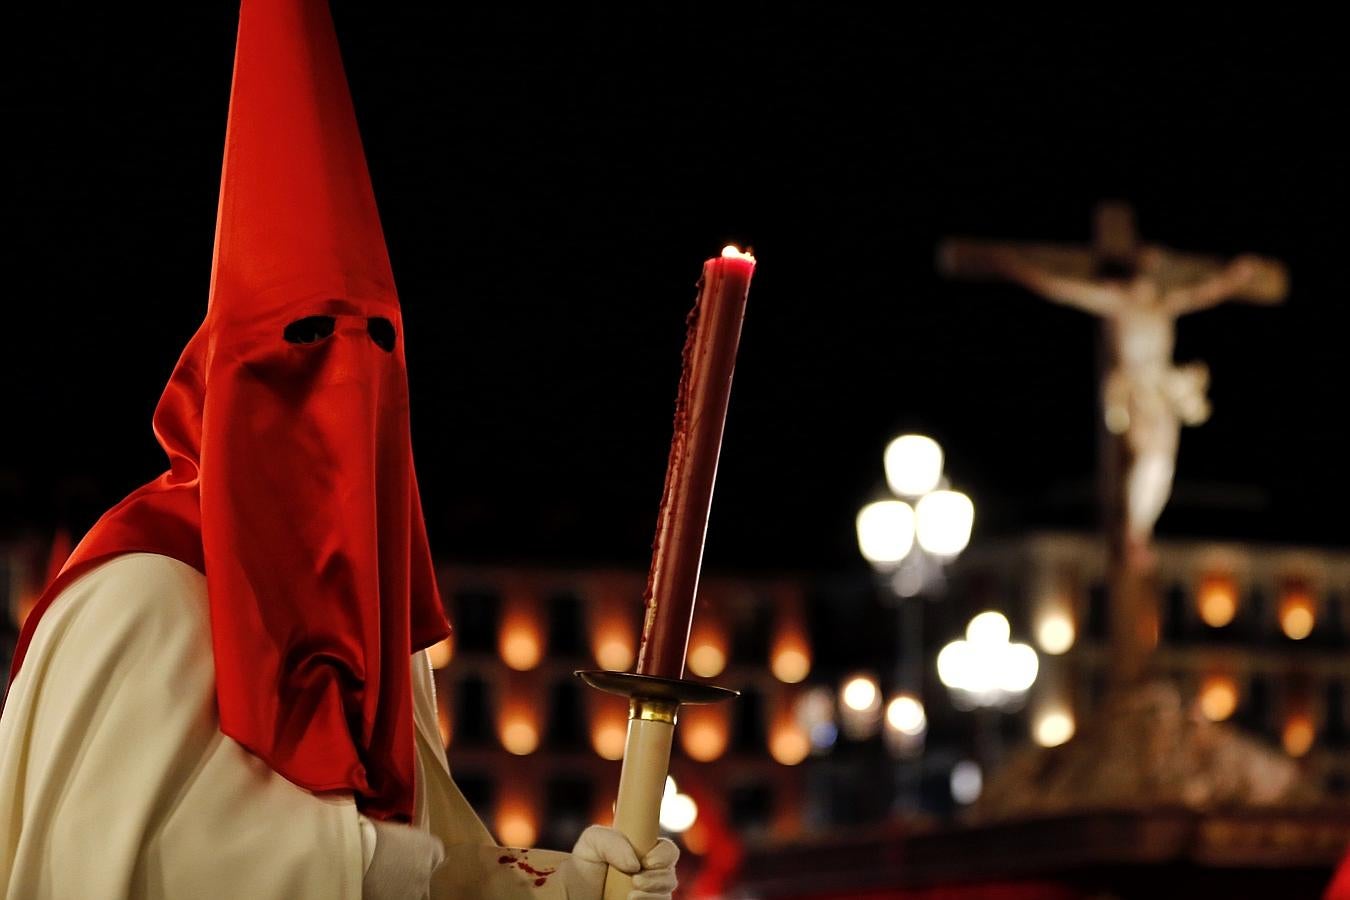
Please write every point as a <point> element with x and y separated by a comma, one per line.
<point>116,782</point>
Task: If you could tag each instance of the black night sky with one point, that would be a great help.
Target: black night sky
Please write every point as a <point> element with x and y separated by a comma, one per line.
<point>550,182</point>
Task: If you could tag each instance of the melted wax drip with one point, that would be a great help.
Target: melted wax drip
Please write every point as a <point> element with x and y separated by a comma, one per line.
<point>677,450</point>
<point>540,875</point>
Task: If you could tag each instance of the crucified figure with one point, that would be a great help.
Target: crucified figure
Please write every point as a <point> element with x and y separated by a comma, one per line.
<point>1139,291</point>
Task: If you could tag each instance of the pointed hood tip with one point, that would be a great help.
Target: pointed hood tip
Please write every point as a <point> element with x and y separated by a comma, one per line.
<point>297,218</point>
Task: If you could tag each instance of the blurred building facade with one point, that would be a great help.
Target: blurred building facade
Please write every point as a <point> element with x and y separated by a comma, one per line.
<point>538,752</point>
<point>1253,635</point>
<point>1256,636</point>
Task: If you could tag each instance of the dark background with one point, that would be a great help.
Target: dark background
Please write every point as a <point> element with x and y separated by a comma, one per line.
<point>550,182</point>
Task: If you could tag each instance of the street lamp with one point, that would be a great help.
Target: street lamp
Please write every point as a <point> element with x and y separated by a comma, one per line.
<point>987,672</point>
<point>885,532</point>
<point>907,537</point>
<point>942,522</point>
<point>913,465</point>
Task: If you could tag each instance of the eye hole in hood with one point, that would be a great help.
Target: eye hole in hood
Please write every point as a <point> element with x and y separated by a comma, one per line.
<point>309,330</point>
<point>381,331</point>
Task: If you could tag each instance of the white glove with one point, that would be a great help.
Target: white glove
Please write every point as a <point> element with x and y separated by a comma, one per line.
<point>598,848</point>
<point>402,864</point>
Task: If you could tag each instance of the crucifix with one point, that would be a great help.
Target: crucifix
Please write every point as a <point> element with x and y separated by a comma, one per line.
<point>1138,290</point>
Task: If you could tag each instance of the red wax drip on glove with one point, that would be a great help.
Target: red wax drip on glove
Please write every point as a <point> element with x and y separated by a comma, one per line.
<point>291,482</point>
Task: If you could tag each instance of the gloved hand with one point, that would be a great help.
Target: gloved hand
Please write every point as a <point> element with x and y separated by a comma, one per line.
<point>403,862</point>
<point>598,848</point>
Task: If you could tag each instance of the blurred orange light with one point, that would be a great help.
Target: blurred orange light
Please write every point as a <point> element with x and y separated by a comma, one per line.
<point>1218,697</point>
<point>1298,734</point>
<point>1296,612</point>
<point>516,824</point>
<point>706,659</point>
<point>519,736</point>
<point>443,720</point>
<point>609,725</point>
<point>614,654</point>
<point>518,721</point>
<point>602,810</point>
<point>521,648</point>
<point>789,743</point>
<point>791,665</point>
<point>790,659</point>
<point>609,739</point>
<point>707,655</point>
<point>440,652</point>
<point>704,732</point>
<point>1217,599</point>
<point>1055,632</point>
<point>695,838</point>
<point>24,610</point>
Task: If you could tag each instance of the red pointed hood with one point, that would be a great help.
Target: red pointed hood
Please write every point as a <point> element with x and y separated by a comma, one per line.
<point>297,213</point>
<point>291,484</point>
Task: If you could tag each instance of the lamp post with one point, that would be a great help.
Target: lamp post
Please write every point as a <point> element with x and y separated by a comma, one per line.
<point>908,536</point>
<point>987,672</point>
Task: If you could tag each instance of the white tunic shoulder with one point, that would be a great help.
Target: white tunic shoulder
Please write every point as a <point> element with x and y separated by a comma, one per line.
<point>115,780</point>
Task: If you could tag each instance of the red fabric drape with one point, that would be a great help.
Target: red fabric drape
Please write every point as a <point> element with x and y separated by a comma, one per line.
<point>291,481</point>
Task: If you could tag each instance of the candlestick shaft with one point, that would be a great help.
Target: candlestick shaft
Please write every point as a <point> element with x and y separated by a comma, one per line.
<point>700,414</point>
<point>642,783</point>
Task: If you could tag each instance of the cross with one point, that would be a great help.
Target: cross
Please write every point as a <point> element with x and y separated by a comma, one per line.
<point>1138,290</point>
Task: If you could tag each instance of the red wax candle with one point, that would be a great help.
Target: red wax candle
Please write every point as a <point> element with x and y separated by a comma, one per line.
<point>700,413</point>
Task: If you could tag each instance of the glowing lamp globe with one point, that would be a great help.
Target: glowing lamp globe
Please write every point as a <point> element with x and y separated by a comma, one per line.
<point>678,811</point>
<point>967,782</point>
<point>1055,632</point>
<point>860,693</point>
<point>913,465</point>
<point>860,706</point>
<point>1053,728</point>
<point>986,669</point>
<point>943,520</point>
<point>885,531</point>
<point>989,628</point>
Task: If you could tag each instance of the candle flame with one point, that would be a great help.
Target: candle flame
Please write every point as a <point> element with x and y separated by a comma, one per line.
<point>731,251</point>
